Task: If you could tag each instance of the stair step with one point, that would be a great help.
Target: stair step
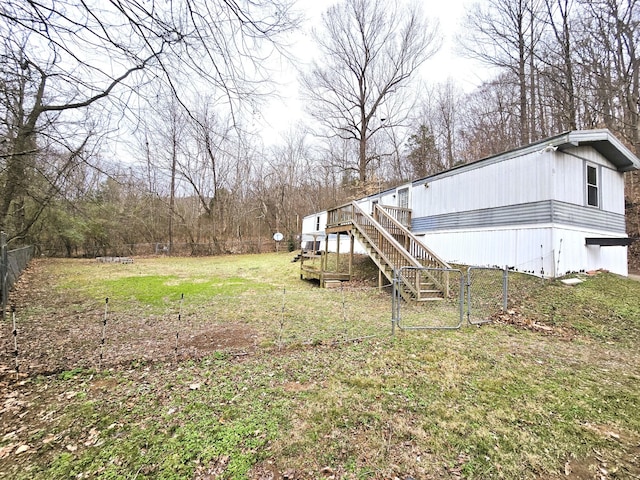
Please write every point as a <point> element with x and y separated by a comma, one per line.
<point>429,299</point>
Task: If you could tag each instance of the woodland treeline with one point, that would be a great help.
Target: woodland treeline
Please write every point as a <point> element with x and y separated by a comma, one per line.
<point>132,123</point>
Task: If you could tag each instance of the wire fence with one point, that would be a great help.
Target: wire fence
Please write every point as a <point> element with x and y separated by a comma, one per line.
<point>445,311</point>
<point>487,293</point>
<point>112,332</point>
<point>12,263</point>
<point>115,332</point>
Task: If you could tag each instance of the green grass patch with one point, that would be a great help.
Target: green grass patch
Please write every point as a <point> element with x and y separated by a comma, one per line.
<point>158,290</point>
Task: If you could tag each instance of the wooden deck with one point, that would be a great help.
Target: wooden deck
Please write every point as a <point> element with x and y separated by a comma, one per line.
<point>312,267</point>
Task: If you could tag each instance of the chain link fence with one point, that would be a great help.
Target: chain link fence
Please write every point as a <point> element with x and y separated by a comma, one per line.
<point>444,310</point>
<point>487,293</point>
<point>12,263</point>
<point>479,293</point>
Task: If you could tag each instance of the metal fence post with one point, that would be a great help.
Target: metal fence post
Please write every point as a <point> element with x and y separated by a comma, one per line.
<point>394,302</point>
<point>4,271</point>
<point>505,288</point>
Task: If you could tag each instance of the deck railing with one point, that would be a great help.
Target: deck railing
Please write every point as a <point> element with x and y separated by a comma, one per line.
<point>414,247</point>
<point>402,215</point>
<point>343,214</point>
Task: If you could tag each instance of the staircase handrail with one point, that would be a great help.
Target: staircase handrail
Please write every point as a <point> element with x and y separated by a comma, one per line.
<point>415,245</point>
<point>400,214</point>
<point>397,248</point>
<point>417,250</point>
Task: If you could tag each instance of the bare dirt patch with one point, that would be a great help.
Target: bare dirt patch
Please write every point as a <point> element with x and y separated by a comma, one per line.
<point>234,336</point>
<point>603,466</point>
<point>59,345</point>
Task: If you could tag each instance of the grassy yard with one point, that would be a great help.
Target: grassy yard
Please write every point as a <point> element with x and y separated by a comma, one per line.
<point>256,374</point>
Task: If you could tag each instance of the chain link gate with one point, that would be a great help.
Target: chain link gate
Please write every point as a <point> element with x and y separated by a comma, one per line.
<point>484,289</point>
<point>435,303</point>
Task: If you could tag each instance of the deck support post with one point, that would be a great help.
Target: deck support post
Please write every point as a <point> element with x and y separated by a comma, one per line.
<point>325,254</point>
<point>338,252</point>
<point>351,248</point>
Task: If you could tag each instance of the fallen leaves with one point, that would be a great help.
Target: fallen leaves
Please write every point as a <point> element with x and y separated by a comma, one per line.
<point>516,318</point>
<point>92,437</point>
<point>22,449</point>
<point>11,448</point>
<point>6,450</point>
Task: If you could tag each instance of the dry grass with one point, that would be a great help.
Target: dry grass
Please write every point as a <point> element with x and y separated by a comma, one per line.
<point>250,399</point>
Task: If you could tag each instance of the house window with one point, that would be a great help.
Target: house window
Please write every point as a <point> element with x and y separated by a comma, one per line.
<point>592,186</point>
<point>403,198</point>
<point>317,223</point>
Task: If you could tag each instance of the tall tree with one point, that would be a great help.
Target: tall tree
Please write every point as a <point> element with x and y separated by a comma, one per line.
<point>503,34</point>
<point>560,59</point>
<point>371,50</point>
<point>62,58</point>
<point>423,155</point>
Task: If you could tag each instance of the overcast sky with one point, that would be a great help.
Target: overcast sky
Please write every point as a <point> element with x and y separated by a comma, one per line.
<point>280,115</point>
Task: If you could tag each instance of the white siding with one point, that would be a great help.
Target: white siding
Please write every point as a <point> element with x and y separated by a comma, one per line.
<point>573,255</point>
<point>515,181</point>
<point>612,188</point>
<point>569,174</point>
<point>542,251</point>
<point>310,232</point>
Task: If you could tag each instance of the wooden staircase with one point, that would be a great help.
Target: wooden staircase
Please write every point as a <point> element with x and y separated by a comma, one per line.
<point>393,248</point>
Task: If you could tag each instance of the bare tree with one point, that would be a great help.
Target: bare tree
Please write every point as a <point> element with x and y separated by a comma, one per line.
<point>560,59</point>
<point>491,120</point>
<point>63,58</point>
<point>371,49</point>
<point>503,34</point>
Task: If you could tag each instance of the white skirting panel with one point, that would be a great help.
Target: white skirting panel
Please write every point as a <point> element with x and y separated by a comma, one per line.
<point>547,252</point>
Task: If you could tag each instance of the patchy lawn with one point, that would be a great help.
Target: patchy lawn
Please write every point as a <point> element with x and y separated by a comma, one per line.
<point>255,374</point>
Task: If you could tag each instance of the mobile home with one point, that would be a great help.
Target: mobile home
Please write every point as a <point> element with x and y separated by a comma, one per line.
<point>549,208</point>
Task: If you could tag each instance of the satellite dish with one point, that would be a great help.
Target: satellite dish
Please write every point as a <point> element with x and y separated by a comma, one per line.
<point>278,237</point>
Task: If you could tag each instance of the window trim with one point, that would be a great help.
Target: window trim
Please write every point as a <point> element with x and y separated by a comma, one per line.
<point>589,186</point>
